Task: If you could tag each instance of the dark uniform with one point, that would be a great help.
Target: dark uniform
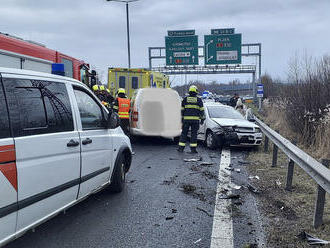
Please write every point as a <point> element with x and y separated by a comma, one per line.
<point>192,111</point>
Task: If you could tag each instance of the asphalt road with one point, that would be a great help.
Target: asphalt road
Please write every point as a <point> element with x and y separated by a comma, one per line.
<point>167,203</point>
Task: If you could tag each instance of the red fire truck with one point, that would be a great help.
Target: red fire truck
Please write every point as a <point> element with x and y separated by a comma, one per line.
<point>24,54</point>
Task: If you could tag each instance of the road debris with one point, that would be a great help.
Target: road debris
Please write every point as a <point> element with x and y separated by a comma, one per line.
<point>132,181</point>
<point>278,182</point>
<point>149,167</point>
<point>188,188</point>
<point>254,177</point>
<point>206,163</point>
<point>171,202</point>
<point>197,241</point>
<point>193,159</point>
<point>312,240</point>
<point>170,218</point>
<point>253,189</point>
<point>243,162</point>
<point>204,211</point>
<point>234,186</point>
<point>230,196</point>
<point>173,159</point>
<point>133,153</point>
<point>174,211</point>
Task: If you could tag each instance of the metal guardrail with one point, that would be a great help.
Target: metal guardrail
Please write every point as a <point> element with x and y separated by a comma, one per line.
<point>311,166</point>
<point>318,171</point>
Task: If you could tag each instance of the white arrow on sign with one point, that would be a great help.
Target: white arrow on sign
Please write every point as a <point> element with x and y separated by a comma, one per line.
<point>207,51</point>
<point>170,59</point>
<point>193,58</point>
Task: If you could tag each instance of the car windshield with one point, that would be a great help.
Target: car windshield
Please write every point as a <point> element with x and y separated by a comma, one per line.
<point>223,112</point>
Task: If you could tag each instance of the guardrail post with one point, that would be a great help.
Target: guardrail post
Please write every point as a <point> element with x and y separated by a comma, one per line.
<point>275,150</point>
<point>266,144</point>
<point>289,175</point>
<point>320,201</point>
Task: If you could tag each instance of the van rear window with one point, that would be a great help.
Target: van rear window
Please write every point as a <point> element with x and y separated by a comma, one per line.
<point>38,107</point>
<point>4,121</point>
<point>135,82</point>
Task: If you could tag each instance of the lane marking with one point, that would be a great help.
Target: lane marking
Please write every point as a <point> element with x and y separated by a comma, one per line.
<point>222,231</point>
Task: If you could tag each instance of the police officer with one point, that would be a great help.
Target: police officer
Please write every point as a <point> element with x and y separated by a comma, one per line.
<point>122,107</point>
<point>192,111</point>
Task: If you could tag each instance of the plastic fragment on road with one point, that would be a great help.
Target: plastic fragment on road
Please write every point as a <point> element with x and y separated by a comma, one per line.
<point>312,240</point>
<point>193,159</point>
<point>206,163</point>
<point>278,182</point>
<point>204,211</point>
<point>170,218</point>
<point>230,196</point>
<point>253,189</point>
<point>197,241</point>
<point>254,177</point>
<point>243,162</point>
<point>173,159</point>
<point>234,186</point>
<point>133,153</point>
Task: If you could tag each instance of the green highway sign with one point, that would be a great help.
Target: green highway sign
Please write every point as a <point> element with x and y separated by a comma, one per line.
<point>223,31</point>
<point>222,49</point>
<point>181,50</point>
<point>180,32</point>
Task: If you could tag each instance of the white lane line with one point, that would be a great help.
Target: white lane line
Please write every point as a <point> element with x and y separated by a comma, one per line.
<point>222,231</point>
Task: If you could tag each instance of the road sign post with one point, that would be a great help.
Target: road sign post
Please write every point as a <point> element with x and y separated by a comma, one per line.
<point>260,94</point>
<point>222,49</point>
<point>181,48</point>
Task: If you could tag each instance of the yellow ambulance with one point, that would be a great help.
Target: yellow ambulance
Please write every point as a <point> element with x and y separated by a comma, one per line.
<point>132,79</point>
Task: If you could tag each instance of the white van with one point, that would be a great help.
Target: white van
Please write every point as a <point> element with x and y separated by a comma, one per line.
<point>156,112</point>
<point>58,145</point>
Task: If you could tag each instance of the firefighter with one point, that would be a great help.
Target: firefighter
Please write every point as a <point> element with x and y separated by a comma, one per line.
<point>192,111</point>
<point>122,107</point>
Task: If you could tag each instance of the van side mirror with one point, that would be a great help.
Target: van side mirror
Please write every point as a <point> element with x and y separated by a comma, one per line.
<point>113,120</point>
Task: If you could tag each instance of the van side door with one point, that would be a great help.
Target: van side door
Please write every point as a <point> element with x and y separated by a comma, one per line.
<point>96,142</point>
<point>47,146</point>
<point>8,173</point>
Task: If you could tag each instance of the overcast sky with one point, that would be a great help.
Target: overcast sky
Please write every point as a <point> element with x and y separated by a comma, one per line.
<point>95,30</point>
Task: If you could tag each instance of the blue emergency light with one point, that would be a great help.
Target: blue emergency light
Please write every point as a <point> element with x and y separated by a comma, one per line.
<point>58,69</point>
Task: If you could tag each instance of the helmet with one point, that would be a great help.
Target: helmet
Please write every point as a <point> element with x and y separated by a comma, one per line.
<point>95,87</point>
<point>121,90</point>
<point>193,88</point>
<point>102,87</point>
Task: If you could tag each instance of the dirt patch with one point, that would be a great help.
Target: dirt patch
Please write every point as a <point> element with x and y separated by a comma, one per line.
<point>190,189</point>
<point>287,213</point>
<point>210,175</point>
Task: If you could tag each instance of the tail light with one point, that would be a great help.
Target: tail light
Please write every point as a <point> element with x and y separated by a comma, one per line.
<point>135,116</point>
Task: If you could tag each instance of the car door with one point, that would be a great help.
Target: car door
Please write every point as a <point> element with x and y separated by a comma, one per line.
<point>96,142</point>
<point>8,173</point>
<point>202,128</point>
<point>47,146</point>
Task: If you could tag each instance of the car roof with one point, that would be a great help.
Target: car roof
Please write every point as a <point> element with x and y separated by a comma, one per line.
<point>216,104</point>
<point>36,73</point>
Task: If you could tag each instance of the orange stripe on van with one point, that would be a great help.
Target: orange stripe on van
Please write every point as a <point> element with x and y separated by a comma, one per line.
<point>7,156</point>
<point>10,172</point>
<point>7,147</point>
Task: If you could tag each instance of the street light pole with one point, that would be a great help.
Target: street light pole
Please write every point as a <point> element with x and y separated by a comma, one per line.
<point>127,27</point>
<point>128,43</point>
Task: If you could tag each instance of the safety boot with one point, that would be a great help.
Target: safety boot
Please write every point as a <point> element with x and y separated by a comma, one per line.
<point>180,149</point>
<point>193,150</point>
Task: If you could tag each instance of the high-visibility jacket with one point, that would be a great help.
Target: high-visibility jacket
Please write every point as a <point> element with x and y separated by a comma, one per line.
<point>192,109</point>
<point>122,106</point>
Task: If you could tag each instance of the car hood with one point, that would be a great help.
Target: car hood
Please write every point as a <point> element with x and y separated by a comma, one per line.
<point>233,122</point>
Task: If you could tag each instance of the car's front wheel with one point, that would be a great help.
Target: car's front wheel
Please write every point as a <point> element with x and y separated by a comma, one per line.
<point>119,176</point>
<point>210,140</point>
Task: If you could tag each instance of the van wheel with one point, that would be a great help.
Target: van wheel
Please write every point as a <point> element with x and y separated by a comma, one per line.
<point>210,141</point>
<point>119,176</point>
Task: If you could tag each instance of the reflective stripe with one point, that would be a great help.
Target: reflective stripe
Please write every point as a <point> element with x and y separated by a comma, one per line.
<point>191,106</point>
<point>123,115</point>
<point>193,144</point>
<point>192,99</point>
<point>201,108</point>
<point>182,144</point>
<point>191,118</point>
